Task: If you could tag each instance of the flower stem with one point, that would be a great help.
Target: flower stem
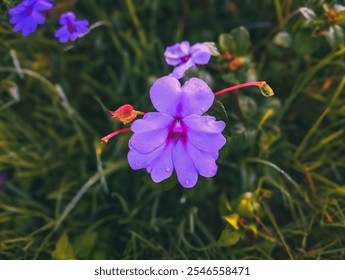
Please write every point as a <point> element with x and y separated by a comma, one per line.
<point>105,139</point>
<point>264,88</point>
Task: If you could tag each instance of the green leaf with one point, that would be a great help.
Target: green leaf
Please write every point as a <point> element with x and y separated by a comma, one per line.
<point>230,77</point>
<point>229,237</point>
<point>242,137</point>
<point>304,44</point>
<point>227,43</point>
<point>85,244</point>
<point>224,205</point>
<point>63,249</point>
<point>218,110</point>
<point>242,39</point>
<point>335,36</point>
<point>252,228</point>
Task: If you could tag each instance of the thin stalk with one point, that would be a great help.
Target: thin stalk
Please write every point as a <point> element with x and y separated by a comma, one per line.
<point>249,84</point>
<point>105,139</point>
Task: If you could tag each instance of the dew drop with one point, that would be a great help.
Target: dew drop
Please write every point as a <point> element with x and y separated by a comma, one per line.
<point>167,169</point>
<point>186,182</point>
<point>266,90</point>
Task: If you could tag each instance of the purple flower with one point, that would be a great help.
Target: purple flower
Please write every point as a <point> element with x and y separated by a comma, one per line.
<point>177,136</point>
<point>3,179</point>
<point>28,14</point>
<point>183,57</point>
<point>71,28</point>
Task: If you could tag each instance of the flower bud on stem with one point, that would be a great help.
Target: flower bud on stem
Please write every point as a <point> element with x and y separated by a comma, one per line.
<point>125,113</point>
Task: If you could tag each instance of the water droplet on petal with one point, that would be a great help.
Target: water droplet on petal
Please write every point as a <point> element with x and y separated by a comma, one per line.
<point>186,182</point>
<point>266,90</point>
<point>167,169</point>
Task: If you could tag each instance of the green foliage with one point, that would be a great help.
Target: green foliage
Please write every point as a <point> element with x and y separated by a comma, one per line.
<point>63,249</point>
<point>279,191</point>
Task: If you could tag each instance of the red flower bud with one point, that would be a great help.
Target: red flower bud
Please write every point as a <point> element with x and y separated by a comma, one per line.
<point>125,113</point>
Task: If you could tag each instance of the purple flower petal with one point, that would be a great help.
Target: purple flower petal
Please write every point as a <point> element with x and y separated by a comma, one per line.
<point>165,95</point>
<point>71,28</point>
<point>139,160</point>
<point>27,15</point>
<point>204,162</point>
<point>200,53</point>
<point>43,6</point>
<point>179,70</point>
<point>62,34</point>
<point>82,26</point>
<point>29,26</point>
<point>146,142</point>
<point>207,142</point>
<point>15,19</point>
<point>19,8</point>
<point>173,54</point>
<point>38,18</point>
<point>162,166</point>
<point>150,122</point>
<point>187,174</point>
<point>205,124</point>
<point>197,97</point>
<point>183,57</point>
<point>150,132</point>
<point>67,17</point>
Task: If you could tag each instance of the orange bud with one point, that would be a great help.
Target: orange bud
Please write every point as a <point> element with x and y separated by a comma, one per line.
<point>332,17</point>
<point>228,56</point>
<point>125,113</point>
<point>234,64</point>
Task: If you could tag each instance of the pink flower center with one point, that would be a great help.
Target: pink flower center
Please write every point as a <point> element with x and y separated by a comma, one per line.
<point>28,11</point>
<point>185,58</point>
<point>177,131</point>
<point>71,27</point>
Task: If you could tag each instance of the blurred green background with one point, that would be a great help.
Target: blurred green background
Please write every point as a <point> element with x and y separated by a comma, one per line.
<point>280,188</point>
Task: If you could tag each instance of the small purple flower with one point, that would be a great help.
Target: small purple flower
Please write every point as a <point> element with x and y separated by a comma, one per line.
<point>71,28</point>
<point>28,14</point>
<point>183,56</point>
<point>177,136</point>
<point>3,179</point>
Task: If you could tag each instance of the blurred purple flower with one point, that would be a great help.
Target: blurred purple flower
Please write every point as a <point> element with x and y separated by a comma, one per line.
<point>71,28</point>
<point>177,136</point>
<point>28,14</point>
<point>3,179</point>
<point>183,56</point>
